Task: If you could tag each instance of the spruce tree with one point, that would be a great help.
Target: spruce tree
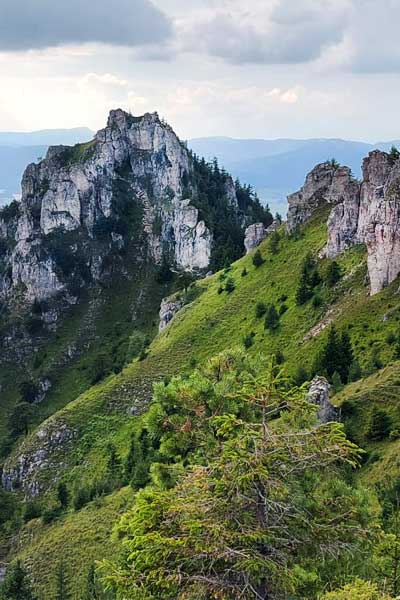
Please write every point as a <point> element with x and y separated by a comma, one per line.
<point>273,243</point>
<point>16,584</point>
<point>333,274</point>
<point>271,318</point>
<point>258,259</point>
<point>380,425</point>
<point>62,591</point>
<point>62,494</point>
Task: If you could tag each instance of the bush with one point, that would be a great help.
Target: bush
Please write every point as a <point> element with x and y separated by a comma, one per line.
<point>258,259</point>
<point>81,498</point>
<point>317,301</point>
<point>248,340</point>
<point>282,309</point>
<point>333,274</point>
<point>380,425</point>
<point>261,309</point>
<point>32,510</point>
<point>50,514</point>
<point>244,272</point>
<point>230,285</point>
<point>271,318</point>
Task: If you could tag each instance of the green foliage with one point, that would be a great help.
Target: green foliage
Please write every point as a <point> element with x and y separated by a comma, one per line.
<point>62,494</point>
<point>32,510</point>
<point>394,154</point>
<point>333,273</point>
<point>230,285</point>
<point>261,309</point>
<point>29,391</point>
<point>271,321</point>
<point>380,425</point>
<point>81,498</point>
<point>258,259</point>
<point>164,273</point>
<point>248,340</point>
<point>335,356</point>
<point>358,590</point>
<point>253,544</point>
<point>62,589</point>
<point>20,419</point>
<point>244,272</point>
<point>17,584</point>
<point>273,242</point>
<point>309,279</point>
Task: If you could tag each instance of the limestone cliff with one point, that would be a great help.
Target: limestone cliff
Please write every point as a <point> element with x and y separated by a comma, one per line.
<point>135,182</point>
<point>365,212</point>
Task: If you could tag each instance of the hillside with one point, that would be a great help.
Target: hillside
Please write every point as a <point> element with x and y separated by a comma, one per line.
<point>325,267</point>
<point>211,323</point>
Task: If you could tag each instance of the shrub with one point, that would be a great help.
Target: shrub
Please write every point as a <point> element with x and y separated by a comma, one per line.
<point>248,340</point>
<point>271,318</point>
<point>244,272</point>
<point>333,274</point>
<point>32,510</point>
<point>261,309</point>
<point>317,301</point>
<point>282,309</point>
<point>81,498</point>
<point>230,285</point>
<point>258,259</point>
<point>380,425</point>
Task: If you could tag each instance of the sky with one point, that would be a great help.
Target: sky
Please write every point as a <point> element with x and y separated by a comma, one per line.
<point>254,68</point>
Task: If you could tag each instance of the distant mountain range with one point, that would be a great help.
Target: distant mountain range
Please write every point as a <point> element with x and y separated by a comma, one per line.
<point>275,168</point>
<point>19,149</point>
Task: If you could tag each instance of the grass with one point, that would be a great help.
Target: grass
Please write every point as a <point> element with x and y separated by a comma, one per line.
<point>210,323</point>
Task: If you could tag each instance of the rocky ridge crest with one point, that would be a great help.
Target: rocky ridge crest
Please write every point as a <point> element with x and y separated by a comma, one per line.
<point>366,212</point>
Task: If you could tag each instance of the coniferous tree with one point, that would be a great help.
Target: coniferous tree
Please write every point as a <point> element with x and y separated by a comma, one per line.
<point>258,259</point>
<point>271,318</point>
<point>62,591</point>
<point>380,425</point>
<point>62,494</point>
<point>16,584</point>
<point>333,274</point>
<point>273,242</point>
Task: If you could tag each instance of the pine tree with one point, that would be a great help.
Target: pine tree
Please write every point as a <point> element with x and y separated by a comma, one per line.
<point>273,243</point>
<point>62,494</point>
<point>271,318</point>
<point>303,290</point>
<point>16,584</point>
<point>62,591</point>
<point>380,425</point>
<point>258,259</point>
<point>355,371</point>
<point>92,591</point>
<point>333,274</point>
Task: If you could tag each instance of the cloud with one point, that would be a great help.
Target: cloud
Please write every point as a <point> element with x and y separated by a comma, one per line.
<point>33,24</point>
<point>275,32</point>
<point>371,44</point>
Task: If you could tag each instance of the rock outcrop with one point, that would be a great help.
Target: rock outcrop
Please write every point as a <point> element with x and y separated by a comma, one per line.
<point>169,308</point>
<point>257,233</point>
<point>318,394</point>
<point>135,182</point>
<point>326,183</point>
<point>366,212</point>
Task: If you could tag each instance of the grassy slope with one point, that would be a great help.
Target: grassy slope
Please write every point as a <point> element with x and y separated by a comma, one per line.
<point>211,323</point>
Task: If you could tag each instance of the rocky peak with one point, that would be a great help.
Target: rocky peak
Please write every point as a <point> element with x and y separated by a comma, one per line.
<point>326,183</point>
<point>363,213</point>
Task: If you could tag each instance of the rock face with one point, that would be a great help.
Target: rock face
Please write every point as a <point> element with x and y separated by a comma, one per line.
<point>363,213</point>
<point>169,307</point>
<point>257,233</point>
<point>134,181</point>
<point>50,441</point>
<point>327,183</point>
<point>318,394</point>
